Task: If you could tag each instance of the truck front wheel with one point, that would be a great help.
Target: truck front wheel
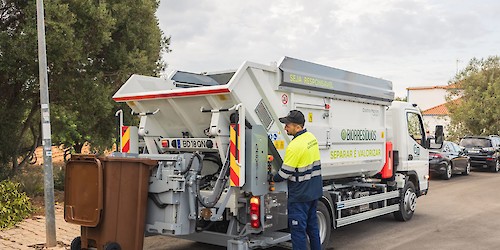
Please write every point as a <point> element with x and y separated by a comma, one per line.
<point>407,203</point>
<point>325,224</point>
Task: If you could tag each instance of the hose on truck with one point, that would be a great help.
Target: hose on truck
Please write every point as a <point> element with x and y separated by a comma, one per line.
<point>190,164</point>
<point>219,185</point>
<point>221,182</point>
<point>205,180</point>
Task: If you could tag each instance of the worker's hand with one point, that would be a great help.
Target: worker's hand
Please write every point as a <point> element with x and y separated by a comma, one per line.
<point>270,177</point>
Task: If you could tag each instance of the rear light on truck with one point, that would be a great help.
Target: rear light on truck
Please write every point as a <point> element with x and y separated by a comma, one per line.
<point>255,212</point>
<point>164,143</point>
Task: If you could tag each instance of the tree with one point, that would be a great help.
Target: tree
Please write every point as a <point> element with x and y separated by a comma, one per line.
<point>92,48</point>
<point>476,111</point>
<point>401,99</point>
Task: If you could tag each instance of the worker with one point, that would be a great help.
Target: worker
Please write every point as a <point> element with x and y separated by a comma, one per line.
<point>302,169</point>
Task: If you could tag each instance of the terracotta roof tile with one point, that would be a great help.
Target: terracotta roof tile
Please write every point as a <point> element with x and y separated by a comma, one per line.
<point>437,110</point>
<point>451,86</point>
<point>440,109</point>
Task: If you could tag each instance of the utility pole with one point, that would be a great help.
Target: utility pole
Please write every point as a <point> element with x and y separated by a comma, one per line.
<point>50,220</point>
<point>458,60</point>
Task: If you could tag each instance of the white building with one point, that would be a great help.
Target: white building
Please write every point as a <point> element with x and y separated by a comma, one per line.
<point>432,102</point>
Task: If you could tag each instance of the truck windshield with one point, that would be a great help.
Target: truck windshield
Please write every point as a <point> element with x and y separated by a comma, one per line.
<point>475,142</point>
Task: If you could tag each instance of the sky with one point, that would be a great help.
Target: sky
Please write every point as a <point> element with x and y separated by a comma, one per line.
<point>412,43</point>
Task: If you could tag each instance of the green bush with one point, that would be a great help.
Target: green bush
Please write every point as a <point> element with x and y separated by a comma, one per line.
<point>14,204</point>
<point>59,178</point>
<point>31,181</point>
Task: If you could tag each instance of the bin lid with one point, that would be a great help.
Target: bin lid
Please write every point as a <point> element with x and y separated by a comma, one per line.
<point>132,158</point>
<point>83,191</point>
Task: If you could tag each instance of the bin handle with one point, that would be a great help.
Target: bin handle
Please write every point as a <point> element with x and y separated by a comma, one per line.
<point>83,222</point>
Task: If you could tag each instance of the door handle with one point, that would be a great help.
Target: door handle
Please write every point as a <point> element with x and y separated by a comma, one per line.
<point>410,157</point>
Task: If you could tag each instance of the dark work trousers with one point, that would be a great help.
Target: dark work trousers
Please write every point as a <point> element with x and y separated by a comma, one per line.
<point>303,222</point>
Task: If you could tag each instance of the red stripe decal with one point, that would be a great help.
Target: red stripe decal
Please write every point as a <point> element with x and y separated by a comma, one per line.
<point>232,149</point>
<point>232,144</point>
<point>237,143</point>
<point>234,178</point>
<point>168,95</point>
<point>126,148</point>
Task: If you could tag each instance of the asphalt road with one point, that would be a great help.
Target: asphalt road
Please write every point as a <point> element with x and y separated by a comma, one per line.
<point>461,213</point>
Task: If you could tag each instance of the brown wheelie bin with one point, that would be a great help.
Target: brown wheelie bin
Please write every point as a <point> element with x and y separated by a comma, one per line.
<point>107,196</point>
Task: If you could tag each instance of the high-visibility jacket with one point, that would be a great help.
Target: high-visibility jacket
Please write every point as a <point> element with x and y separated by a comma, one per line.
<point>302,168</point>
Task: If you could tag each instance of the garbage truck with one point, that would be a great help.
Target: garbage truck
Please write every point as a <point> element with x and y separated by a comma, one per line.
<point>216,137</point>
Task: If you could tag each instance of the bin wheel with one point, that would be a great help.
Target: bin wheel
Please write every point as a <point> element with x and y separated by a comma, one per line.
<point>76,243</point>
<point>112,246</point>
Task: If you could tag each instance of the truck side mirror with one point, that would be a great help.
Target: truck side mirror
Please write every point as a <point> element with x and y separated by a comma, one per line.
<point>439,135</point>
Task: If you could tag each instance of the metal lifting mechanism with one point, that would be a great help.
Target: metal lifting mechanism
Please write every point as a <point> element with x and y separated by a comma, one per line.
<point>216,137</point>
<point>180,184</point>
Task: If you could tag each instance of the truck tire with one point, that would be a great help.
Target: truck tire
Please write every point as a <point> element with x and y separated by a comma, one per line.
<point>76,243</point>
<point>407,203</point>
<point>324,223</point>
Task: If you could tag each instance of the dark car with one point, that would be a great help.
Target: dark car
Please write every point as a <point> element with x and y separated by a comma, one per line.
<point>449,160</point>
<point>484,151</point>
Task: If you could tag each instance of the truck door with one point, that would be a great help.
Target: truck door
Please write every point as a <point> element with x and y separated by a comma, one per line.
<point>418,156</point>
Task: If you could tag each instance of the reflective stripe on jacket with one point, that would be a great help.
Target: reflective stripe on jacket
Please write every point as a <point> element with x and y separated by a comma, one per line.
<point>302,168</point>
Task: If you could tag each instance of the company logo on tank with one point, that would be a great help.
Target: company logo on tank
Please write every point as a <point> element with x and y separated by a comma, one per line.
<point>358,135</point>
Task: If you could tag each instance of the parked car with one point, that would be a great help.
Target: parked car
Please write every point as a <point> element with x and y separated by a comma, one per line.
<point>449,160</point>
<point>484,151</point>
